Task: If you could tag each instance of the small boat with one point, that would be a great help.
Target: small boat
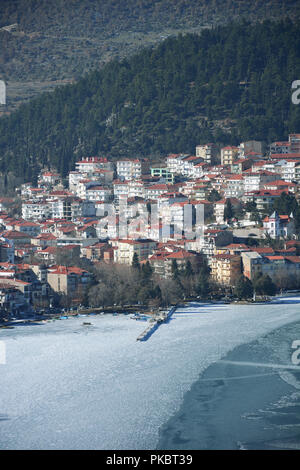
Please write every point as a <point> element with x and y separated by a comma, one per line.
<point>85,323</point>
<point>139,316</point>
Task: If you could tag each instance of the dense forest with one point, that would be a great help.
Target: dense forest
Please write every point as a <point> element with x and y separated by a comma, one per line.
<point>227,84</point>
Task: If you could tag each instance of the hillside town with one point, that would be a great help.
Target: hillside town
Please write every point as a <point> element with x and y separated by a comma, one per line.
<point>60,240</point>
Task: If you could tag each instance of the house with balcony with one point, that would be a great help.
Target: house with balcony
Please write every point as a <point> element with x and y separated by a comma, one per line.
<point>124,250</point>
<point>229,154</point>
<point>226,269</point>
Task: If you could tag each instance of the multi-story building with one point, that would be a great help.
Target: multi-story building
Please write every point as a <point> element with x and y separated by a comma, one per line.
<point>212,239</point>
<point>234,186</point>
<point>226,269</point>
<point>279,226</point>
<point>253,181</point>
<point>229,154</point>
<point>280,185</point>
<point>121,190</point>
<point>99,193</point>
<point>36,210</point>
<point>209,152</point>
<point>294,141</point>
<point>156,190</point>
<point>174,162</point>
<point>291,170</point>
<point>250,146</point>
<point>264,198</point>
<point>240,165</point>
<point>128,169</point>
<point>12,299</point>
<point>187,164</point>
<point>283,270</point>
<point>219,208</point>
<point>124,250</point>
<point>280,147</point>
<point>136,188</point>
<point>74,178</point>
<point>68,208</point>
<point>89,164</point>
<point>162,262</point>
<point>68,279</point>
<point>27,227</point>
<point>49,178</point>
<point>162,172</point>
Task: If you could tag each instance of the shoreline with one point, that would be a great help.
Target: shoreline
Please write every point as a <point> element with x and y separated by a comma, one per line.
<point>234,406</point>
<point>42,318</point>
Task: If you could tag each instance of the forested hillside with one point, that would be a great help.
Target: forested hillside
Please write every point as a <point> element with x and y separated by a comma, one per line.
<point>46,42</point>
<point>228,84</point>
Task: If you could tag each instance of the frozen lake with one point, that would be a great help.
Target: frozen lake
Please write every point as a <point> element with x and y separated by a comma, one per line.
<point>68,386</point>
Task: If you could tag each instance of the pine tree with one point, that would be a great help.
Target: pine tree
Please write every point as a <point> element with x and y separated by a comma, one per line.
<point>188,270</point>
<point>174,269</point>
<point>263,284</point>
<point>228,210</point>
<point>135,262</point>
<point>243,288</point>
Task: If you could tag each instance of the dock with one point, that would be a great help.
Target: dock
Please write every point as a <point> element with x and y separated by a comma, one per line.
<point>157,321</point>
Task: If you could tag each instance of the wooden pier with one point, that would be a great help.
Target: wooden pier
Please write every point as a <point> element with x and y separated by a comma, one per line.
<point>158,320</point>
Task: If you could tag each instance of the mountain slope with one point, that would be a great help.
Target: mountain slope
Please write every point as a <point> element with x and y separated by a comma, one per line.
<point>227,84</point>
<point>43,42</point>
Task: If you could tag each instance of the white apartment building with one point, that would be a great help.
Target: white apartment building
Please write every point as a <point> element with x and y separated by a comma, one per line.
<point>199,170</point>
<point>136,188</point>
<point>128,169</point>
<point>36,210</point>
<point>156,190</point>
<point>120,190</point>
<point>234,186</point>
<point>74,178</point>
<point>290,170</point>
<point>174,162</point>
<point>90,164</point>
<point>280,147</point>
<point>185,165</point>
<point>84,185</point>
<point>255,181</point>
<point>49,177</point>
<point>99,193</point>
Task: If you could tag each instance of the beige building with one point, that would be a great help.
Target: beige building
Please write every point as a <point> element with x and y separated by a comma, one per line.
<point>283,270</point>
<point>68,279</point>
<point>125,249</point>
<point>209,152</point>
<point>229,155</point>
<point>226,269</point>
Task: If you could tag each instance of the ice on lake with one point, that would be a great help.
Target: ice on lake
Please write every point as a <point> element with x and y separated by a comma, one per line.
<point>68,386</point>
